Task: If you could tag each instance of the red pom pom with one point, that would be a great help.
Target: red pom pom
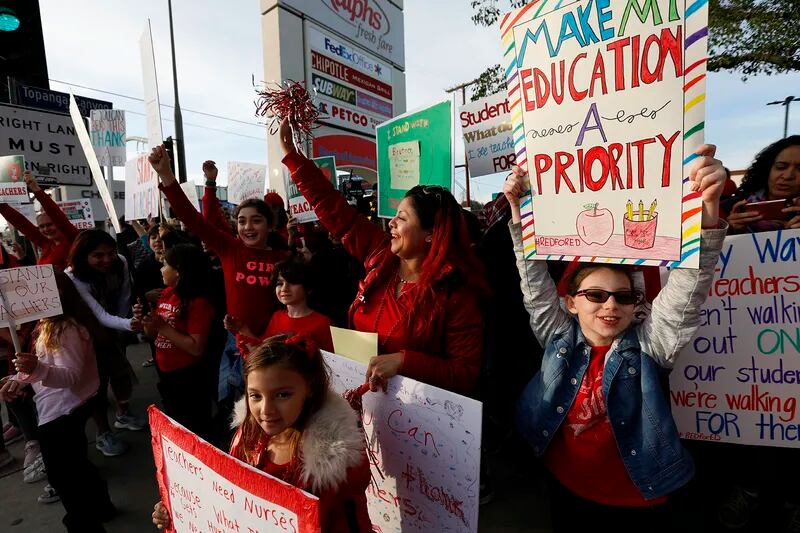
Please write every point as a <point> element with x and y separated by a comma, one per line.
<point>292,101</point>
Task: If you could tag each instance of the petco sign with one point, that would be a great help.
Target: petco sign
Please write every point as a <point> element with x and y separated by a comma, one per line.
<point>377,25</point>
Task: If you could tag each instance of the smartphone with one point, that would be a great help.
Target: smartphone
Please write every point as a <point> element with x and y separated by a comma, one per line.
<point>771,209</point>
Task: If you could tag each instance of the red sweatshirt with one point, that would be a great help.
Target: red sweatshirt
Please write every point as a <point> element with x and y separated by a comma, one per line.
<point>315,326</point>
<point>212,212</point>
<point>52,253</point>
<point>249,292</point>
<point>448,354</point>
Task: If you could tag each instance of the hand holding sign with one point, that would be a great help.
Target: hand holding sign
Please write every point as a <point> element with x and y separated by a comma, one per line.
<point>159,159</point>
<point>10,390</point>
<point>30,181</point>
<point>161,516</point>
<point>708,177</point>
<point>26,363</point>
<point>513,189</point>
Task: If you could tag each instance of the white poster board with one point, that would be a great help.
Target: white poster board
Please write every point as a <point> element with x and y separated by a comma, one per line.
<point>190,190</point>
<point>486,128</point>
<point>152,104</point>
<point>425,448</point>
<point>79,213</point>
<point>141,189</point>
<point>94,165</point>
<point>108,136</point>
<point>30,294</point>
<point>737,380</point>
<point>12,186</point>
<point>245,180</point>
<point>611,104</point>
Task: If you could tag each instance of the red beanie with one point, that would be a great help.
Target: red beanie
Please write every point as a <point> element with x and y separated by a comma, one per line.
<point>273,198</point>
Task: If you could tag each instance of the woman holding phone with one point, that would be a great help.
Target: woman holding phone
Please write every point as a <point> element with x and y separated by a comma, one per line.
<point>769,196</point>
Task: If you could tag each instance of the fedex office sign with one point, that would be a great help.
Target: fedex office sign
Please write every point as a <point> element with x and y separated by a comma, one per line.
<point>358,60</point>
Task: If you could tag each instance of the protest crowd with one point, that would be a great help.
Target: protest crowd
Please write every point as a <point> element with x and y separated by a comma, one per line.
<point>568,360</point>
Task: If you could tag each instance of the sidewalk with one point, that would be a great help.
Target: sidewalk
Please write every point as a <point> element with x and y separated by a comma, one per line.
<point>519,505</point>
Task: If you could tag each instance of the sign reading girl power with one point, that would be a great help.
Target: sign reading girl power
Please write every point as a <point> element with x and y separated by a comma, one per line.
<point>425,453</point>
<point>610,98</point>
<point>737,380</point>
<point>207,490</point>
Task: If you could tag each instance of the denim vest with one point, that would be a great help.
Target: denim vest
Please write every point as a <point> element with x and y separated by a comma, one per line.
<point>637,407</point>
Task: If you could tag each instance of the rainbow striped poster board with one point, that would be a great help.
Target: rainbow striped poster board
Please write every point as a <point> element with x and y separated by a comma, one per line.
<point>607,99</point>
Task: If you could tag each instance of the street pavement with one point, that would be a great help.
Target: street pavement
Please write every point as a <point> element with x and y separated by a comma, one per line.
<point>518,506</point>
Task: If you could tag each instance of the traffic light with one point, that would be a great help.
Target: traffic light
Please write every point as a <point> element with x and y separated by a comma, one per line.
<point>22,55</point>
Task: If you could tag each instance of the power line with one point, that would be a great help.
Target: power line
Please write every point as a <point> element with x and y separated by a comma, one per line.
<point>204,127</point>
<point>163,105</point>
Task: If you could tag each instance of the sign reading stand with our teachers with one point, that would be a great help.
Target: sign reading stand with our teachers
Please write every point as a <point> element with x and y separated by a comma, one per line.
<point>415,148</point>
<point>607,99</point>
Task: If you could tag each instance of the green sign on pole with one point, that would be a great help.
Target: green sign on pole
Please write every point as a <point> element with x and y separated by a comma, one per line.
<point>299,207</point>
<point>414,149</point>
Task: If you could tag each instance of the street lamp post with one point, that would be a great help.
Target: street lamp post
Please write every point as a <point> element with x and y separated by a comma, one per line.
<point>178,117</point>
<point>463,88</point>
<point>786,103</point>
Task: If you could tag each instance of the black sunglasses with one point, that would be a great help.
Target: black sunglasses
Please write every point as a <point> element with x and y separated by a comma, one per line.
<point>600,296</point>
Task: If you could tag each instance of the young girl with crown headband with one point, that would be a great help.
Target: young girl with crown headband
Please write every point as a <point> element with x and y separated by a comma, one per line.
<point>294,427</point>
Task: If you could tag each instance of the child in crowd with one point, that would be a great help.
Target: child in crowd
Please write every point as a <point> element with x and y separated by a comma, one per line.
<point>63,371</point>
<point>293,427</point>
<point>181,325</point>
<point>596,410</point>
<point>292,281</point>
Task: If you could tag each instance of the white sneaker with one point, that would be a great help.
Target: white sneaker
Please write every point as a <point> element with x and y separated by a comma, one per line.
<point>34,463</point>
<point>109,445</point>
<point>49,495</point>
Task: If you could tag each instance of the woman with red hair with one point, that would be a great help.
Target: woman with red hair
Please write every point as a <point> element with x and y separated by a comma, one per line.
<point>420,292</point>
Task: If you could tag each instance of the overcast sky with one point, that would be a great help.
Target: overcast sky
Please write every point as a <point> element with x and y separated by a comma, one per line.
<point>94,43</point>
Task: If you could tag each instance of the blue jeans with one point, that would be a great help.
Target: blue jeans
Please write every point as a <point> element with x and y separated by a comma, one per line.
<point>231,379</point>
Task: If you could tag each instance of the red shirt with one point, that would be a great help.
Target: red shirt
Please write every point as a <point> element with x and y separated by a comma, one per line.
<point>583,455</point>
<point>315,326</point>
<point>52,253</point>
<point>196,319</point>
<point>248,289</point>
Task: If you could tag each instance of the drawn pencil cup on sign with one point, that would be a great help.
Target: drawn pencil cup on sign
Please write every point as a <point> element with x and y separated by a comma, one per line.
<point>607,100</point>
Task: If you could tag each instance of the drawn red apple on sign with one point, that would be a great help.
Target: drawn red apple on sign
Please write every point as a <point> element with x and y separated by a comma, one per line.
<point>595,226</point>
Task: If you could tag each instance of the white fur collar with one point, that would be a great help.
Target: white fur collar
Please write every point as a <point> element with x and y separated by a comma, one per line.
<point>332,442</point>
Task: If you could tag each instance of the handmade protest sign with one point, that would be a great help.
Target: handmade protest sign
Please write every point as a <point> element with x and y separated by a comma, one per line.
<point>424,446</point>
<point>94,165</point>
<point>245,180</point>
<point>737,380</point>
<point>29,293</point>
<point>107,127</point>
<point>607,99</point>
<point>79,213</point>
<point>415,148</point>
<point>141,189</point>
<point>205,489</point>
<point>152,104</point>
<point>488,140</point>
<point>12,186</point>
<point>299,207</point>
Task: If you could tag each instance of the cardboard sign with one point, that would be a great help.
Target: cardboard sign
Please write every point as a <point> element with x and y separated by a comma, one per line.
<point>359,346</point>
<point>30,293</point>
<point>108,136</point>
<point>299,207</point>
<point>205,489</point>
<point>431,129</point>
<point>141,189</point>
<point>245,180</point>
<point>190,190</point>
<point>425,447</point>
<point>737,381</point>
<point>12,186</point>
<point>152,104</point>
<point>79,213</point>
<point>94,165</point>
<point>488,140</point>
<point>608,100</point>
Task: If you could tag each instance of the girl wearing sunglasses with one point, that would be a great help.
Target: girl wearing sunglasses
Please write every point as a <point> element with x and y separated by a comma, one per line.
<point>596,411</point>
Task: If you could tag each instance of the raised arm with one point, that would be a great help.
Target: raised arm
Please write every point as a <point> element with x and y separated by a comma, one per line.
<point>217,240</point>
<point>23,225</point>
<point>104,317</point>
<point>675,316</point>
<point>50,207</point>
<point>359,236</point>
<point>212,211</point>
<point>539,294</point>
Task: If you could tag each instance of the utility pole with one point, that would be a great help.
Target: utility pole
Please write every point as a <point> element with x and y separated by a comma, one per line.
<point>178,117</point>
<point>463,88</point>
<point>786,103</point>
